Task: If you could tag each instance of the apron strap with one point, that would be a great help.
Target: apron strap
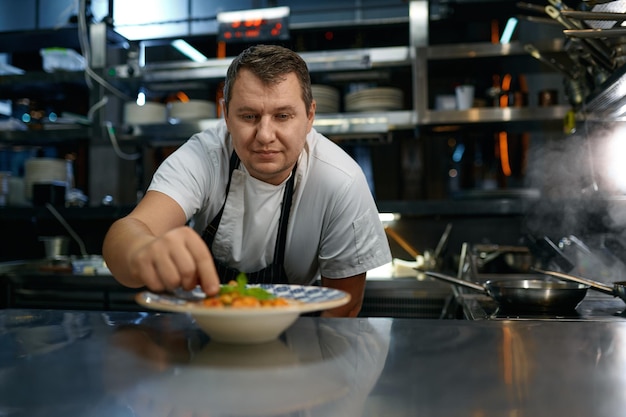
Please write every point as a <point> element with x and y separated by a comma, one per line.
<point>211,229</point>
<point>281,238</point>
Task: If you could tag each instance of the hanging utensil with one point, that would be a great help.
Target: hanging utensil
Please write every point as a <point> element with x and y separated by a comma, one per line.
<point>588,15</point>
<point>576,86</point>
<point>402,242</point>
<point>573,74</point>
<point>530,7</point>
<point>599,52</point>
<point>69,229</point>
<point>443,241</point>
<point>595,33</point>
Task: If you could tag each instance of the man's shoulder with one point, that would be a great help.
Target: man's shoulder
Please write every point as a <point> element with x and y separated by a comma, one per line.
<point>213,140</point>
<point>214,135</point>
<point>327,155</point>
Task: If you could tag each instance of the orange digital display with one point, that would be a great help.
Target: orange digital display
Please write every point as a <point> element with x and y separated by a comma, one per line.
<point>254,29</point>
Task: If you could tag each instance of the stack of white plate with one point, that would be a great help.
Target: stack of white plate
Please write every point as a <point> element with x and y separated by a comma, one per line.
<point>148,113</point>
<point>192,110</point>
<point>374,99</point>
<point>43,170</point>
<point>326,97</point>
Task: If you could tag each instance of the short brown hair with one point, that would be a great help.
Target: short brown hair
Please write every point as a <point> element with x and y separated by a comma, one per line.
<point>270,63</point>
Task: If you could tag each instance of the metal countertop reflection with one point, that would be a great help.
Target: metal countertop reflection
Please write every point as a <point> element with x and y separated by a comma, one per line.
<point>114,364</point>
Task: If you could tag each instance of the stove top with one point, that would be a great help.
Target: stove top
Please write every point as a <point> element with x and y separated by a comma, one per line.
<point>594,307</point>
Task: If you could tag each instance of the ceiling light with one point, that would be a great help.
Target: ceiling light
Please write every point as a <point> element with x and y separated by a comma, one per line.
<point>245,15</point>
<point>189,51</point>
<point>507,34</point>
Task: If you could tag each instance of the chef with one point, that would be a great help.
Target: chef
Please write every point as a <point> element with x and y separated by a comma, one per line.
<point>261,192</point>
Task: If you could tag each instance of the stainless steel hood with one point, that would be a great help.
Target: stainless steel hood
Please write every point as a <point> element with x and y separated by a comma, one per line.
<point>602,24</point>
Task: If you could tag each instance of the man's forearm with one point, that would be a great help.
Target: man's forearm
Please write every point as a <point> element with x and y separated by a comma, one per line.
<point>123,238</point>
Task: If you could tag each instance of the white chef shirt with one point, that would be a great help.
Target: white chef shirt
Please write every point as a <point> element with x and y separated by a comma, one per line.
<point>333,226</point>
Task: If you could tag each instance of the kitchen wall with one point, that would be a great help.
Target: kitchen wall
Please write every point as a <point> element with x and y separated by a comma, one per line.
<point>165,18</point>
<point>17,15</point>
<point>148,19</point>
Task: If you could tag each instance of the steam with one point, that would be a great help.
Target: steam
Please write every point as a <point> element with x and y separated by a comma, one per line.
<point>560,168</point>
<point>582,180</point>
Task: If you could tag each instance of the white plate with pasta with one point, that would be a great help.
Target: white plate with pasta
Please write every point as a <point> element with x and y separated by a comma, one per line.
<point>247,323</point>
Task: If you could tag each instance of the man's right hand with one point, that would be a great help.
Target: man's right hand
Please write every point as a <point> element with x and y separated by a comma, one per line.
<point>178,258</point>
<point>152,247</point>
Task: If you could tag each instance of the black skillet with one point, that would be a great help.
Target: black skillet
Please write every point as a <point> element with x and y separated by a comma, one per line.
<point>526,292</point>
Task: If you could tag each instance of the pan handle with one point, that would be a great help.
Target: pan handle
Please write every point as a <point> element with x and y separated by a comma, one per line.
<point>456,281</point>
<point>403,243</point>
<point>599,286</point>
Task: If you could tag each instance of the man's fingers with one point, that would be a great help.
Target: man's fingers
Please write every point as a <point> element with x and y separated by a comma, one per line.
<point>187,269</point>
<point>156,269</point>
<point>209,280</point>
<point>205,268</point>
<point>180,258</point>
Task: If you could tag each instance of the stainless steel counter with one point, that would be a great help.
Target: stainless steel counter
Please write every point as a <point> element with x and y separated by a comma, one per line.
<point>594,307</point>
<point>73,363</point>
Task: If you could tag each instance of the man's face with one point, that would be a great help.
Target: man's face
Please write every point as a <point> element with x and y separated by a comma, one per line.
<point>268,125</point>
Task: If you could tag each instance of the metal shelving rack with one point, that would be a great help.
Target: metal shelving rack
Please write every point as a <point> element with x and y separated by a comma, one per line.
<point>341,124</point>
<point>427,116</point>
<point>379,126</point>
<point>416,55</point>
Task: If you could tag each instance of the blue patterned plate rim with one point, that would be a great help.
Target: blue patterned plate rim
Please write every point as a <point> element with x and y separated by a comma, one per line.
<point>305,299</point>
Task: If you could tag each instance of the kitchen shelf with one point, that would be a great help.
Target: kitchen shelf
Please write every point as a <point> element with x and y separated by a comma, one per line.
<point>493,115</point>
<point>34,40</point>
<point>345,124</point>
<point>348,59</point>
<point>350,124</point>
<point>160,77</point>
<point>47,135</point>
<point>358,125</point>
<point>40,77</point>
<point>466,51</point>
<point>484,49</point>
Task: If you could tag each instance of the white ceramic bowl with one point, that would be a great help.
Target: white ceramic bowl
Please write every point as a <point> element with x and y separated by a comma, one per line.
<point>247,325</point>
<point>43,170</point>
<point>242,326</point>
<point>192,110</point>
<point>148,113</point>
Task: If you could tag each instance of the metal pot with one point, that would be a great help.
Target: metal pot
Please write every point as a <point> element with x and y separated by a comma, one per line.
<point>56,247</point>
<point>617,289</point>
<point>526,292</point>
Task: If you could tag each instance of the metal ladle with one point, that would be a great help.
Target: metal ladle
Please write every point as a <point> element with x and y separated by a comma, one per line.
<point>69,229</point>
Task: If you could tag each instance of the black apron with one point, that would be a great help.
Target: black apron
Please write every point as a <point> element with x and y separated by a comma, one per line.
<point>273,273</point>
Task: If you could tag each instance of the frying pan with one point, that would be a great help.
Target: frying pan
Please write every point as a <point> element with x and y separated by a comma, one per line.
<point>526,292</point>
<point>618,289</point>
